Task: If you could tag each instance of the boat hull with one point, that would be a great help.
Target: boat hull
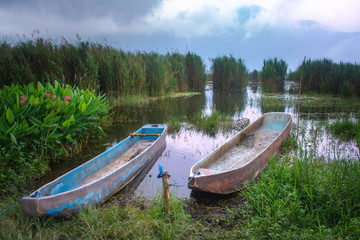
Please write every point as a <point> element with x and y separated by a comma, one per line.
<point>73,191</point>
<point>231,180</point>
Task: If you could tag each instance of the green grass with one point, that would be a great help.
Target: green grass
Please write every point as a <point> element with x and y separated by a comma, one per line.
<point>345,129</point>
<point>297,197</point>
<point>135,220</point>
<point>212,123</point>
<point>303,197</point>
<point>138,99</point>
<point>312,101</point>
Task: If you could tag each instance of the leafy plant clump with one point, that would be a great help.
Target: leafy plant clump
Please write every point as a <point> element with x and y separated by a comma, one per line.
<point>211,124</point>
<point>345,129</point>
<point>38,125</point>
<point>304,197</point>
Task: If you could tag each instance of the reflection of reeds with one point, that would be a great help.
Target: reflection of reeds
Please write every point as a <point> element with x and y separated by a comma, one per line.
<point>101,68</point>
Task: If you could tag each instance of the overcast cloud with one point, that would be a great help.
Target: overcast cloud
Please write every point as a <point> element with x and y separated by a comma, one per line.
<point>253,30</point>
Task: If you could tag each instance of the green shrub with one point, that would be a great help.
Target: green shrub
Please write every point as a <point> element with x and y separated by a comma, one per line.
<point>38,125</point>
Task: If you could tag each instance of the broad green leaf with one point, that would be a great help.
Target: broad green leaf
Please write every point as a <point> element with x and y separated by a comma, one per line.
<point>9,116</point>
<point>101,131</point>
<point>3,124</point>
<point>35,121</point>
<point>48,117</point>
<point>40,87</point>
<point>12,128</point>
<point>56,135</point>
<point>37,131</point>
<point>83,107</point>
<point>66,123</point>
<point>13,138</point>
<point>68,137</point>
<point>31,129</point>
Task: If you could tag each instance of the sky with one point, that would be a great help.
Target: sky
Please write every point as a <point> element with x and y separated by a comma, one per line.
<point>252,30</point>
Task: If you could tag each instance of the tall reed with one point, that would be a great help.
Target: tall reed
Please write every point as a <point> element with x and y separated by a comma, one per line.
<point>228,73</point>
<point>273,75</point>
<point>100,67</point>
<point>325,76</point>
<point>304,197</point>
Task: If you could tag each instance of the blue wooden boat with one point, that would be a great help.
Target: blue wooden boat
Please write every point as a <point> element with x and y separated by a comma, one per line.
<point>101,177</point>
<point>242,158</point>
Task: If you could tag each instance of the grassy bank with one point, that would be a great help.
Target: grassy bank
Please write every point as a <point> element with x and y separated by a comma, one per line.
<point>299,197</point>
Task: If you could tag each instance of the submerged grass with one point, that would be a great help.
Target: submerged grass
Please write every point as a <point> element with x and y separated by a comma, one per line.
<point>139,99</point>
<point>345,129</point>
<point>212,123</point>
<point>312,101</point>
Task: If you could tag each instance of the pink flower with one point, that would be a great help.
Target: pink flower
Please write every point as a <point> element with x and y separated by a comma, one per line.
<point>54,96</point>
<point>48,94</point>
<point>23,98</point>
<point>67,102</point>
<point>35,102</point>
<point>22,101</point>
<point>62,101</point>
<point>67,97</point>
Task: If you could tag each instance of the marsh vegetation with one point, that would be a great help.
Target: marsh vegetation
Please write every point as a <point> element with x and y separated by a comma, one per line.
<point>310,190</point>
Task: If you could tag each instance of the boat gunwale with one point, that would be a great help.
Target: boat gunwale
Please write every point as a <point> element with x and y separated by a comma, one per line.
<point>31,196</point>
<point>192,173</point>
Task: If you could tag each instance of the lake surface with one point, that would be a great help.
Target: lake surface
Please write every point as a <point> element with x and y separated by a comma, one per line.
<point>187,146</point>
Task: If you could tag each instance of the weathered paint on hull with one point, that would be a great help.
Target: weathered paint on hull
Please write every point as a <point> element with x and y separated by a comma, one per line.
<point>66,195</point>
<point>229,181</point>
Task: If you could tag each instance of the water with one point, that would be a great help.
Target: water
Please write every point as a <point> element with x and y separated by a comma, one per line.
<point>186,147</point>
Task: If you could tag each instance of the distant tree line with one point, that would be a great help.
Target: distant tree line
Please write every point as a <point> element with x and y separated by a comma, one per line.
<point>325,76</point>
<point>102,68</point>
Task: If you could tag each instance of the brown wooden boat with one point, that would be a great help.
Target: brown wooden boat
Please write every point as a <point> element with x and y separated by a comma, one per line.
<point>241,158</point>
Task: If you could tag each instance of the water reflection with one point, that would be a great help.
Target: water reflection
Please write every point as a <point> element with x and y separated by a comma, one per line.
<point>186,147</point>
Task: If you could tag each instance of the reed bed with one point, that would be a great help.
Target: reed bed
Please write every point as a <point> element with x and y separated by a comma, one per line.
<point>273,75</point>
<point>229,73</point>
<point>326,77</point>
<point>100,67</point>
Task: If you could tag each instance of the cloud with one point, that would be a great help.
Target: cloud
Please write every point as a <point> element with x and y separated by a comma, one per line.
<point>66,17</point>
<point>251,29</point>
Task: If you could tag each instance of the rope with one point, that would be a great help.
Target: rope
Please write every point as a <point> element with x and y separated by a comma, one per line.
<point>174,185</point>
<point>10,207</point>
<point>36,194</point>
<point>161,173</point>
